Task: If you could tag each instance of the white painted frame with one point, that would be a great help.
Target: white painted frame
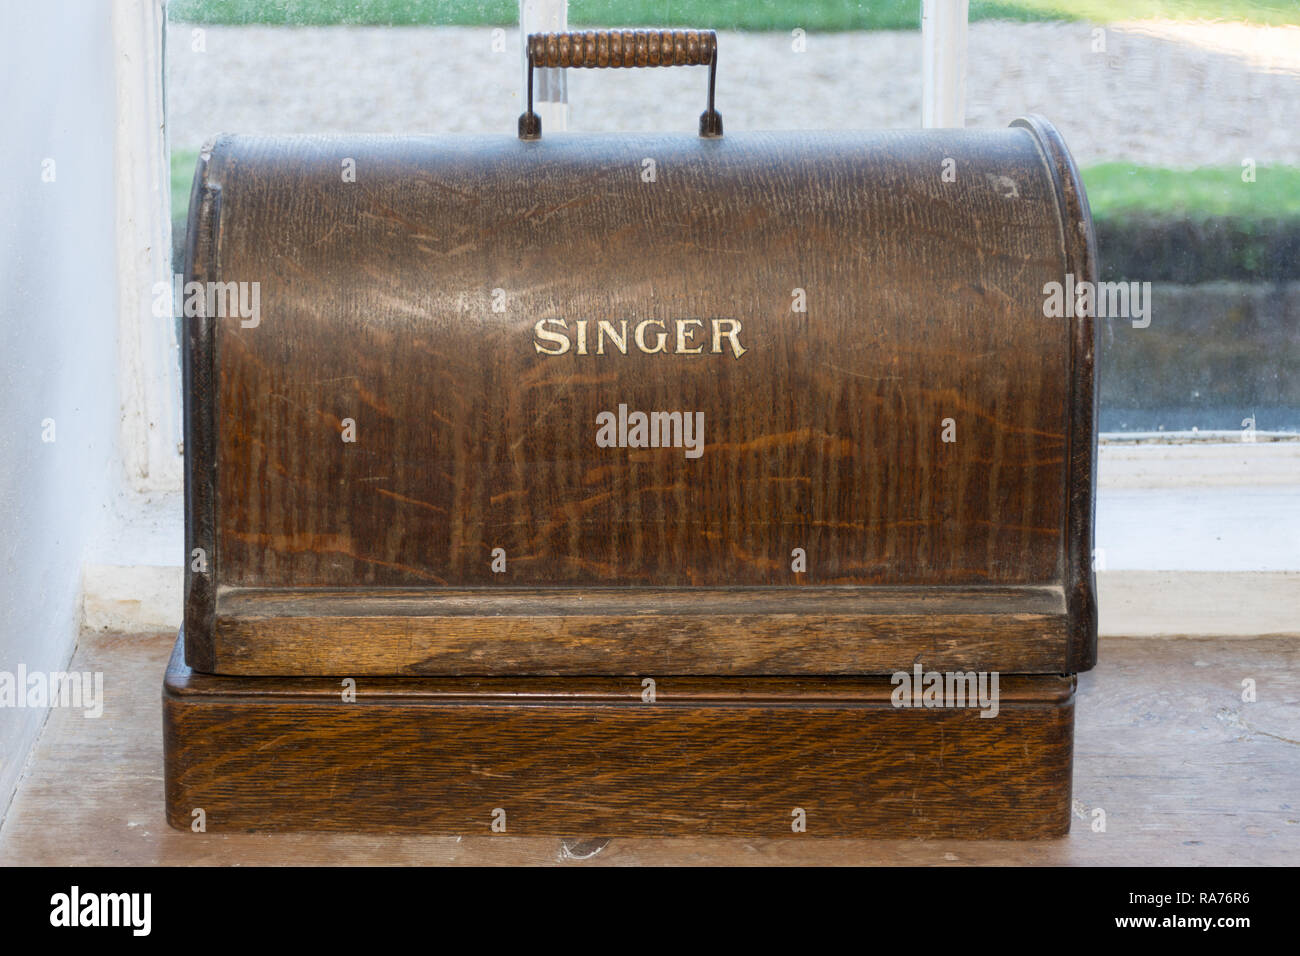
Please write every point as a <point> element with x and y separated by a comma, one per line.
<point>943,63</point>
<point>149,384</point>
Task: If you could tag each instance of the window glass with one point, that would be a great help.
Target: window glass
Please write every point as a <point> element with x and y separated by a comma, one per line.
<point>1182,114</point>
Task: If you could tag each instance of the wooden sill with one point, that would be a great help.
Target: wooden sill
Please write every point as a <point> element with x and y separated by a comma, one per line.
<point>1185,772</point>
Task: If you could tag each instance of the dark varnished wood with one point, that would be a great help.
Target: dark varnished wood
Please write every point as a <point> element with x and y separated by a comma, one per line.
<point>198,361</point>
<point>587,755</point>
<point>925,302</point>
<point>1080,247</point>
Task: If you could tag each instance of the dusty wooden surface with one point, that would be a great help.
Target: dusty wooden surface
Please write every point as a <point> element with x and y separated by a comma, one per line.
<point>1186,772</point>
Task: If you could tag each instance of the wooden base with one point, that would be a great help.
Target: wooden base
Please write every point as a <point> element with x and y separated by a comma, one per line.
<point>590,756</point>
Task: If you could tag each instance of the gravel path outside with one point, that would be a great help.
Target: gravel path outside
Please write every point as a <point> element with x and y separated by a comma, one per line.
<point>1168,94</point>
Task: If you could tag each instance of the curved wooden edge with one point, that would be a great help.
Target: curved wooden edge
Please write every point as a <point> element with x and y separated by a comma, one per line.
<point>1080,244</point>
<point>198,375</point>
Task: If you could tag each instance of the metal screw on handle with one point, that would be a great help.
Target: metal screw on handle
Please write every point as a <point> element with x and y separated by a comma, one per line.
<point>623,48</point>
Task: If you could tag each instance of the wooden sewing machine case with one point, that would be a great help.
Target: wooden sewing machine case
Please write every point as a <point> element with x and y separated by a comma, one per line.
<point>605,484</point>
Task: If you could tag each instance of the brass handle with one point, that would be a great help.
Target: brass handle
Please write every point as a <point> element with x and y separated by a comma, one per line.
<point>600,49</point>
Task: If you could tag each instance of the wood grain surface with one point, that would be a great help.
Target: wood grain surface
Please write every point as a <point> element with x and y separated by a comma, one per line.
<point>640,631</point>
<point>924,303</point>
<point>707,756</point>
